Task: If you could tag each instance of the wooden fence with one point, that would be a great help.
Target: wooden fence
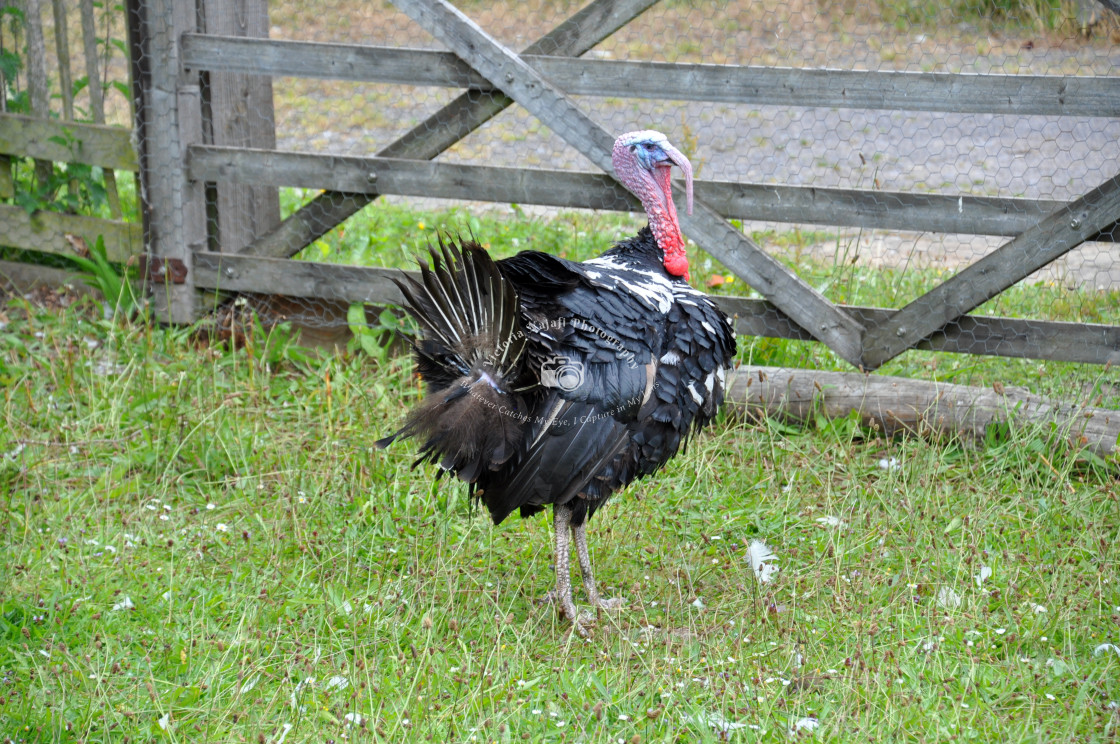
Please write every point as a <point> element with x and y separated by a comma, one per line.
<point>60,138</point>
<point>210,169</point>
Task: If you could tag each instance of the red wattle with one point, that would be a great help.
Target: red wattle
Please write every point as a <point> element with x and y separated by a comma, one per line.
<point>677,264</point>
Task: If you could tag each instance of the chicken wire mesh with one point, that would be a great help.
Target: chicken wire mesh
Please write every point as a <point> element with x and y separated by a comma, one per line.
<point>1049,158</point>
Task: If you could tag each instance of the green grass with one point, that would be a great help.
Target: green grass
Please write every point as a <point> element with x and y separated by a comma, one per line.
<point>202,544</point>
<point>1005,15</point>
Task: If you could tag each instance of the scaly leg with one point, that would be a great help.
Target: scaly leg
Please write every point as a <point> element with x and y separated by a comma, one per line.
<point>561,521</point>
<point>579,532</point>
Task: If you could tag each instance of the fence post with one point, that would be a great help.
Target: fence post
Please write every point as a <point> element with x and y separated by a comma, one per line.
<point>168,120</point>
<point>239,113</point>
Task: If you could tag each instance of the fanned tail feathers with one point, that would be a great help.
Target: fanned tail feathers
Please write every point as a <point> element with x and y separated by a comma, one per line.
<point>470,357</point>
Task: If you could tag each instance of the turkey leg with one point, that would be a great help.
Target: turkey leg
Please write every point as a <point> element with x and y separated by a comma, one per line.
<point>561,523</point>
<point>579,532</point>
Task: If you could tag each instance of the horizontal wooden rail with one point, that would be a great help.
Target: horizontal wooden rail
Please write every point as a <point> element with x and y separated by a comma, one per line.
<point>990,336</point>
<point>1065,95</point>
<point>91,144</point>
<point>47,232</point>
<point>1051,238</point>
<point>972,215</point>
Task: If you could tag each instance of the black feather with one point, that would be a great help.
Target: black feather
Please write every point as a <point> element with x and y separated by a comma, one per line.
<point>471,360</point>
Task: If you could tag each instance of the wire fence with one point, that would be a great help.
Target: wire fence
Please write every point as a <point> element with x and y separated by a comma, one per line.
<point>890,184</point>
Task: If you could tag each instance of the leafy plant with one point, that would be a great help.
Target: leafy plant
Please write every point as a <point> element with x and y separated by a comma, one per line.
<point>76,188</point>
<point>10,63</point>
<point>115,286</point>
<point>375,339</point>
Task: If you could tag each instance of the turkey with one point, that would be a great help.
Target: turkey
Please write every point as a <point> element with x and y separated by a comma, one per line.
<point>553,382</point>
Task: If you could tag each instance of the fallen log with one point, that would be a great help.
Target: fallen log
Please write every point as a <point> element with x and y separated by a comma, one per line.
<point>899,404</point>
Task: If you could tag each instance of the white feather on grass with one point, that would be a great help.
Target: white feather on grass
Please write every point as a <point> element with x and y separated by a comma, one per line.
<point>763,561</point>
<point>806,723</point>
<point>1104,648</point>
<point>716,721</point>
<point>948,598</point>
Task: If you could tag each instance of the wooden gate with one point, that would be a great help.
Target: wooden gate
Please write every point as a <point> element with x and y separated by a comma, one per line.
<point>211,170</point>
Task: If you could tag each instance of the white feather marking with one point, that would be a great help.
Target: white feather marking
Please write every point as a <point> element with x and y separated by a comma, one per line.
<point>548,421</point>
<point>652,289</point>
<point>763,561</point>
<point>607,262</point>
<point>447,321</point>
<point>696,396</point>
<point>710,382</point>
<point>707,327</point>
<point>685,292</point>
<point>671,357</point>
<point>467,302</point>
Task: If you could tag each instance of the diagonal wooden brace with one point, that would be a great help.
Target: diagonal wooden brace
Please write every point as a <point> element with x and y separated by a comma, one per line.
<point>451,123</point>
<point>1051,238</point>
<point>508,72</point>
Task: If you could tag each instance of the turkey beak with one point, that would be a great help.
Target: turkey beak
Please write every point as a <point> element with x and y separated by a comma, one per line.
<point>678,159</point>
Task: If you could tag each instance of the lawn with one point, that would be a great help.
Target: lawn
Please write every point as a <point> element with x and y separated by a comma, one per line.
<point>201,544</point>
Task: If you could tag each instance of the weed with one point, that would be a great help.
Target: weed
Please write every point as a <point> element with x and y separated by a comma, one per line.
<point>115,285</point>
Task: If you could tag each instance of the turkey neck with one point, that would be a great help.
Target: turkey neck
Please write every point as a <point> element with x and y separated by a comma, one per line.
<point>662,214</point>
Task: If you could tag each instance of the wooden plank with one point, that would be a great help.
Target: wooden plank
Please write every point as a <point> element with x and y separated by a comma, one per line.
<point>887,210</point>
<point>577,190</point>
<point>828,88</point>
<point>169,121</point>
<point>1090,343</point>
<point>898,404</point>
<point>517,80</point>
<point>411,178</point>
<point>46,231</point>
<point>1048,240</point>
<point>91,144</point>
<point>1051,95</point>
<point>241,273</point>
<point>239,112</point>
<point>976,335</point>
<point>24,277</point>
<point>586,28</point>
<point>328,61</point>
